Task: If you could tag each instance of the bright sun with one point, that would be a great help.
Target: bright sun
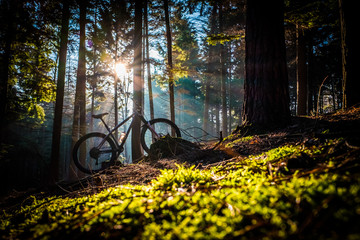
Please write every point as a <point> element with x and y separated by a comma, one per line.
<point>120,69</point>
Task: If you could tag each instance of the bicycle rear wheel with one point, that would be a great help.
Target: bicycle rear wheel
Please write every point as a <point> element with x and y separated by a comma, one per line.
<point>90,157</point>
<point>162,127</point>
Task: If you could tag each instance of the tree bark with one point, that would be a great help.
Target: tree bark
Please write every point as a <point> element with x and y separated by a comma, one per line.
<point>116,84</point>
<point>60,88</point>
<point>266,101</point>
<point>94,81</point>
<point>301,72</point>
<point>350,53</point>
<point>151,101</point>
<point>170,63</point>
<point>79,123</point>
<point>223,77</point>
<point>10,30</point>
<point>210,73</point>
<point>136,150</point>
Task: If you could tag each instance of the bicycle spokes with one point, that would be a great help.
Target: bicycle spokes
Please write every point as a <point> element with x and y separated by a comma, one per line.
<point>93,152</point>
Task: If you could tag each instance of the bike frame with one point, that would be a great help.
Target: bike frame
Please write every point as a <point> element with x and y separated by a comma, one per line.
<point>120,146</point>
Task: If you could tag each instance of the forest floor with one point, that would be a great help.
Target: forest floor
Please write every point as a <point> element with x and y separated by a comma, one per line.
<point>296,182</point>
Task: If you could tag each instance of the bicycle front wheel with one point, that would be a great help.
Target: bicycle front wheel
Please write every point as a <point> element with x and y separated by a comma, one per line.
<point>90,156</point>
<point>162,127</point>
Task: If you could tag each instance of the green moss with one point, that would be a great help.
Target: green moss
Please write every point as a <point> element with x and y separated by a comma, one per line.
<point>237,140</point>
<point>236,201</point>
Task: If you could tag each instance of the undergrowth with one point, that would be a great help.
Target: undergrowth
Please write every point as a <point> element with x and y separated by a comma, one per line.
<point>242,199</point>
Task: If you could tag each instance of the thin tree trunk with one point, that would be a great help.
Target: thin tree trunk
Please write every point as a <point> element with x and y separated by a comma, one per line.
<point>116,79</point>
<point>223,77</point>
<point>210,73</point>
<point>95,78</point>
<point>333,94</point>
<point>92,108</point>
<point>170,63</point>
<point>79,124</point>
<point>301,72</point>
<point>311,92</point>
<point>229,90</point>
<point>350,52</point>
<point>206,104</point>
<point>151,101</point>
<point>138,83</point>
<point>217,117</point>
<point>5,62</point>
<point>60,88</point>
<point>82,69</point>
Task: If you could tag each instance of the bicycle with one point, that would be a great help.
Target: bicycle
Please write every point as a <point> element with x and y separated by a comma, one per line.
<point>97,151</point>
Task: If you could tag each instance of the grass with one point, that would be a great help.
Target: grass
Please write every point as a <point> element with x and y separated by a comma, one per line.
<point>236,200</point>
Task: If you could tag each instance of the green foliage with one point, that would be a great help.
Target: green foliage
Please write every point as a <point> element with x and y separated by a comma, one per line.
<point>237,141</point>
<point>32,43</point>
<point>221,38</point>
<point>238,200</point>
<point>311,14</point>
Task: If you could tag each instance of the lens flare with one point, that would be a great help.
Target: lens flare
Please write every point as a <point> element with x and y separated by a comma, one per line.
<point>120,69</point>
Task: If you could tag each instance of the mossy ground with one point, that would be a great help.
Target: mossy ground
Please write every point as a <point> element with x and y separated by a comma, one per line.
<point>302,182</point>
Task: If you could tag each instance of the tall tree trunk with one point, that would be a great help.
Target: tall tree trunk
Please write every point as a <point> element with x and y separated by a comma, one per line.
<point>217,117</point>
<point>301,72</point>
<point>60,88</point>
<point>116,84</point>
<point>94,80</point>
<point>311,88</point>
<point>138,83</point>
<point>223,77</point>
<point>206,104</point>
<point>170,63</point>
<point>79,124</point>
<point>151,101</point>
<point>266,101</point>
<point>10,30</point>
<point>210,73</point>
<point>229,89</point>
<point>82,69</point>
<point>350,52</point>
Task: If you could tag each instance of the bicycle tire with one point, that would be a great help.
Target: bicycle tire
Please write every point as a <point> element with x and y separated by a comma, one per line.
<point>155,122</point>
<point>88,166</point>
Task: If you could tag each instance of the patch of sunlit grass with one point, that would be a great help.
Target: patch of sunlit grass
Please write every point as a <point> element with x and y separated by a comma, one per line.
<point>237,200</point>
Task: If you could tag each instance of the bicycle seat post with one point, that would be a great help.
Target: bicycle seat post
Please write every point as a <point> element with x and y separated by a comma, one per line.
<point>106,126</point>
<point>100,116</point>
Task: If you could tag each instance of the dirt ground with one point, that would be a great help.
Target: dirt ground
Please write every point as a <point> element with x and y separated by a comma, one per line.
<point>303,130</point>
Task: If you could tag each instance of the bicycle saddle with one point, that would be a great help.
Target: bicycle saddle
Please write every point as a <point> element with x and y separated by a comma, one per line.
<point>98,116</point>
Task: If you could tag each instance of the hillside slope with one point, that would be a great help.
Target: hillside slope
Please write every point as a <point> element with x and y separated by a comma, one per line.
<point>298,182</point>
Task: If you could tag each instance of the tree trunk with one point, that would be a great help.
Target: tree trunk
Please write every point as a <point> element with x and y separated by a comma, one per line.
<point>301,72</point>
<point>311,88</point>
<point>223,77</point>
<point>229,90</point>
<point>116,79</point>
<point>350,53</point>
<point>60,88</point>
<point>210,73</point>
<point>206,105</point>
<point>79,124</point>
<point>94,80</point>
<point>266,101</point>
<point>151,101</point>
<point>217,117</point>
<point>170,63</point>
<point>138,83</point>
<point>12,6</point>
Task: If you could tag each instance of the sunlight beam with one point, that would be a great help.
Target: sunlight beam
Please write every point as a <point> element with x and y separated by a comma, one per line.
<point>120,69</point>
